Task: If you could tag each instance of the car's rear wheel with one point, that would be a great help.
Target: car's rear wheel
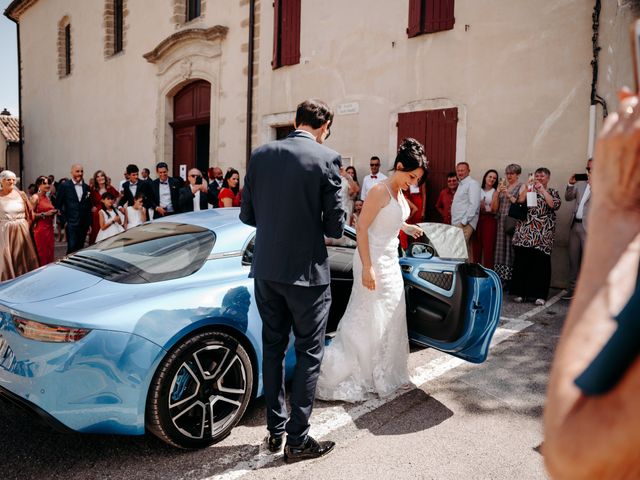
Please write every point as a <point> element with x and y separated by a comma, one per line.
<point>200,391</point>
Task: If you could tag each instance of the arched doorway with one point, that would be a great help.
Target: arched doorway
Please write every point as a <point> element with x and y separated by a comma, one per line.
<point>191,126</point>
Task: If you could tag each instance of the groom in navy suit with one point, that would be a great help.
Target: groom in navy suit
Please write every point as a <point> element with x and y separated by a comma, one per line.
<point>291,267</point>
<point>73,199</point>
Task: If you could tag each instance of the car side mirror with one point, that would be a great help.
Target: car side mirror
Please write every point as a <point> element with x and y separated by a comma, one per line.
<point>422,251</point>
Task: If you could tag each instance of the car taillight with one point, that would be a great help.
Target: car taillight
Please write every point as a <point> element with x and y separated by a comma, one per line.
<point>43,332</point>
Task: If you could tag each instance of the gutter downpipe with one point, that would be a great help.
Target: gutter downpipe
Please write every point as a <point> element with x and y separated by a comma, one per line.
<point>250,81</point>
<point>21,139</point>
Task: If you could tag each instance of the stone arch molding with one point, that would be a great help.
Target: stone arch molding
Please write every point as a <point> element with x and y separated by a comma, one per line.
<point>182,58</point>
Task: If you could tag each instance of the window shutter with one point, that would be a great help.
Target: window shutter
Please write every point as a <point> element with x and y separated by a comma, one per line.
<point>277,44</point>
<point>438,15</point>
<point>415,17</point>
<point>290,28</point>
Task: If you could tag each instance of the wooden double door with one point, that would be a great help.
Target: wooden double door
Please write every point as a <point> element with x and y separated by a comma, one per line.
<point>436,130</point>
<point>191,127</point>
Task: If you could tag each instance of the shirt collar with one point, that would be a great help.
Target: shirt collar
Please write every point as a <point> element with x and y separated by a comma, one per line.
<point>304,132</point>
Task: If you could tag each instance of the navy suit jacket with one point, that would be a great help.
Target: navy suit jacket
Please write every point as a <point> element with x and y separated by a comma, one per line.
<point>77,213</point>
<point>174,190</point>
<point>185,199</point>
<point>292,195</point>
<point>143,187</point>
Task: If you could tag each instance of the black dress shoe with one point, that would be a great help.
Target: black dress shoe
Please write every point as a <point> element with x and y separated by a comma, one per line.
<point>274,443</point>
<point>309,449</point>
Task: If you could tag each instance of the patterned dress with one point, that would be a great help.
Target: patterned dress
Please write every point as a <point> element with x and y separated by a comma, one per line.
<point>538,230</point>
<point>504,249</point>
<point>533,242</point>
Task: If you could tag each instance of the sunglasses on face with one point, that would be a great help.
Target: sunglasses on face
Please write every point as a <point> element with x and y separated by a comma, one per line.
<point>374,164</point>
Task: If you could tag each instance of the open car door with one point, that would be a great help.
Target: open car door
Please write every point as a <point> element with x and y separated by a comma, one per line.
<point>452,306</point>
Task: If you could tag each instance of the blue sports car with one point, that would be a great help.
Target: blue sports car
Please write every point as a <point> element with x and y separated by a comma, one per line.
<point>157,328</point>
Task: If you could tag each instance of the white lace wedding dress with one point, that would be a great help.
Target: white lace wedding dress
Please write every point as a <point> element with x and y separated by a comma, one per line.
<point>370,349</point>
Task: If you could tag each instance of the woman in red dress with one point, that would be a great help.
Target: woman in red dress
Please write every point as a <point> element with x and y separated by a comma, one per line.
<point>229,195</point>
<point>44,211</point>
<point>101,184</point>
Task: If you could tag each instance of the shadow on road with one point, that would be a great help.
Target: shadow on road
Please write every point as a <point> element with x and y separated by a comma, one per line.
<point>412,412</point>
<point>30,449</point>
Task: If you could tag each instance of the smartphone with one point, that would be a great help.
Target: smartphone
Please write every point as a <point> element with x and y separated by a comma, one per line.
<point>199,180</point>
<point>581,177</point>
<point>635,52</point>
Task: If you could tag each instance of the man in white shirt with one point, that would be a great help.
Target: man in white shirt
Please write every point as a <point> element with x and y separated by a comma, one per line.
<point>466,204</point>
<point>374,177</point>
<point>581,193</point>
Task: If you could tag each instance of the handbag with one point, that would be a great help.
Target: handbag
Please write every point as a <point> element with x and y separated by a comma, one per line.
<point>517,211</point>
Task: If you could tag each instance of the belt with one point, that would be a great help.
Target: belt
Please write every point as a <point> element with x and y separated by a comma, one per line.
<point>577,220</point>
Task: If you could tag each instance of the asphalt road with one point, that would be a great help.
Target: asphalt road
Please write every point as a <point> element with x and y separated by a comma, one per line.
<point>462,421</point>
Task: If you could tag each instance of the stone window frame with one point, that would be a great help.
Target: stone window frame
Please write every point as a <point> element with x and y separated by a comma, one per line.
<point>109,25</point>
<point>179,17</point>
<point>65,51</point>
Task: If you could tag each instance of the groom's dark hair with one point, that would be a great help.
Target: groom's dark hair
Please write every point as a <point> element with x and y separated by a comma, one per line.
<point>314,113</point>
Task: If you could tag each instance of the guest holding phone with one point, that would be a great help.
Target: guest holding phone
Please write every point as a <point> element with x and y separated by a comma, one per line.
<point>196,195</point>
<point>485,238</point>
<point>578,189</point>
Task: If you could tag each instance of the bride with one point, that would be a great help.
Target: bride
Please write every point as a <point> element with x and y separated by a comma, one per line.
<point>370,349</point>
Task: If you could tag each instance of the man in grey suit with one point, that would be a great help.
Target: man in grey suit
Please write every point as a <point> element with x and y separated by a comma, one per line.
<point>581,193</point>
<point>292,195</point>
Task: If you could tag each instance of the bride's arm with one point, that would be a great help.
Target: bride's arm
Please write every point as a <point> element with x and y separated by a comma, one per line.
<point>377,198</point>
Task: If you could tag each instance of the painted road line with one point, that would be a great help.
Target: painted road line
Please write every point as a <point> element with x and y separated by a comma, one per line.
<point>332,418</point>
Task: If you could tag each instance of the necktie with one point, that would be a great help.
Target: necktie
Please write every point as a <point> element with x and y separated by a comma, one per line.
<point>374,176</point>
<point>164,183</point>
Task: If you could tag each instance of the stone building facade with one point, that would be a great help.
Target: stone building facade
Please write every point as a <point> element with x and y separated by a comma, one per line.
<point>512,81</point>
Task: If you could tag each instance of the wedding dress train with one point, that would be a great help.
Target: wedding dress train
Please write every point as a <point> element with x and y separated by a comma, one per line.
<point>369,352</point>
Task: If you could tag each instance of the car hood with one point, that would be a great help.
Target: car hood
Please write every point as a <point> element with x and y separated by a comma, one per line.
<point>46,283</point>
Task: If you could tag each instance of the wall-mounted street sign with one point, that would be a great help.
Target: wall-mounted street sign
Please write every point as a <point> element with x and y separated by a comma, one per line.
<point>349,108</point>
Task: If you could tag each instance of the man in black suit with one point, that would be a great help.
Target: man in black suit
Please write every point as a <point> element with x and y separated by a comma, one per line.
<point>292,195</point>
<point>165,192</point>
<point>197,194</point>
<point>73,199</point>
<point>133,186</point>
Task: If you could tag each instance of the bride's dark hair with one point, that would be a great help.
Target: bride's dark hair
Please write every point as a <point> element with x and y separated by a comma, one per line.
<point>411,156</point>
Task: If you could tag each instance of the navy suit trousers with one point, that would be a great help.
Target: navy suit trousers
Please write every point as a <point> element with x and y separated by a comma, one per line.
<point>76,237</point>
<point>285,307</point>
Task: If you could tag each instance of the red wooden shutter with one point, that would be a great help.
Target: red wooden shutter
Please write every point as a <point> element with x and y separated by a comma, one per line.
<point>277,44</point>
<point>286,33</point>
<point>438,15</point>
<point>290,32</point>
<point>436,130</point>
<point>415,17</point>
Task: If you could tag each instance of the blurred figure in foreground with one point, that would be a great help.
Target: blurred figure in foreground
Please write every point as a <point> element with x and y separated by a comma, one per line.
<point>592,420</point>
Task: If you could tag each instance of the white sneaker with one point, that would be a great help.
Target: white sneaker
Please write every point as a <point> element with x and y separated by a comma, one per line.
<point>540,302</point>
<point>518,300</point>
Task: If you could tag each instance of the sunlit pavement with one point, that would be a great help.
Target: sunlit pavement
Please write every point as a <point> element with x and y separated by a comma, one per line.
<point>462,421</point>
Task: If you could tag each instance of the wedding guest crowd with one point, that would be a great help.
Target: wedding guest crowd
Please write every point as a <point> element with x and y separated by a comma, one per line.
<point>86,212</point>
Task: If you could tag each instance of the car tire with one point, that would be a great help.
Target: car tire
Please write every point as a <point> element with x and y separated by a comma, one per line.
<point>200,391</point>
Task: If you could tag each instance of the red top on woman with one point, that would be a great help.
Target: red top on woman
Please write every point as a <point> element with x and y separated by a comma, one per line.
<point>228,193</point>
